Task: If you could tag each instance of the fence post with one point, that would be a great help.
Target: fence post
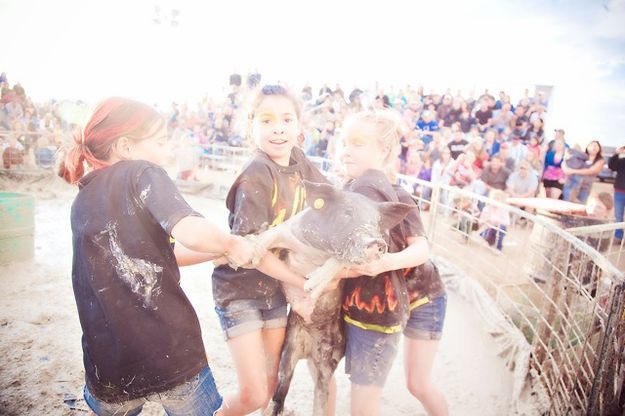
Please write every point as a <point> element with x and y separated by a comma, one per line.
<point>596,405</point>
<point>434,206</point>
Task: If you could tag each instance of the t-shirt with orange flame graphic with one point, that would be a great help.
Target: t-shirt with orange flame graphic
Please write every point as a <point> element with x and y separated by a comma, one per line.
<point>378,303</point>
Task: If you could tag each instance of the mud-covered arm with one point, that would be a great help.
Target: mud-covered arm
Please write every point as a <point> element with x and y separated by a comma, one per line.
<point>201,235</point>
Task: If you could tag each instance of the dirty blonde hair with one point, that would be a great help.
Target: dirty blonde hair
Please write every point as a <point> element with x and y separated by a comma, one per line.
<point>386,128</point>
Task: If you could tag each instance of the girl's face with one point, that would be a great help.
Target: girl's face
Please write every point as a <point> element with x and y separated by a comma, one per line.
<point>592,148</point>
<point>275,128</point>
<point>362,151</point>
<point>155,149</point>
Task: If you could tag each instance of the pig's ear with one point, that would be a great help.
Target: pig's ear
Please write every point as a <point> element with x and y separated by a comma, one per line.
<point>391,213</point>
<point>318,194</point>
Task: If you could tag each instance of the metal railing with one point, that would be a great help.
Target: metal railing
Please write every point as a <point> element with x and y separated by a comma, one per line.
<point>562,294</point>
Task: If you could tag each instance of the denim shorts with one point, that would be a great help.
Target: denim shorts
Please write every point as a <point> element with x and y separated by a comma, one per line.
<point>197,397</point>
<point>243,316</point>
<point>369,355</point>
<point>426,321</point>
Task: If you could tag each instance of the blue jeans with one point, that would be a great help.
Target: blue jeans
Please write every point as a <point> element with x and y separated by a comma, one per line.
<point>619,206</point>
<point>426,321</point>
<point>198,397</point>
<point>495,236</point>
<point>580,183</point>
<point>241,317</point>
<point>369,355</point>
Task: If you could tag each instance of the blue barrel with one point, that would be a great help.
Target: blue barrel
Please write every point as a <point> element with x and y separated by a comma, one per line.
<point>17,227</point>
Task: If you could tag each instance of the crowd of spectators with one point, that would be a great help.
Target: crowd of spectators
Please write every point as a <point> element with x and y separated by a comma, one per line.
<point>30,134</point>
<point>484,143</point>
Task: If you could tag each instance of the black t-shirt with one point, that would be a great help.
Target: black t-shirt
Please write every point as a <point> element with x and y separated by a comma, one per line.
<point>423,280</point>
<point>140,332</point>
<point>378,303</point>
<point>457,147</point>
<point>483,116</point>
<point>264,195</point>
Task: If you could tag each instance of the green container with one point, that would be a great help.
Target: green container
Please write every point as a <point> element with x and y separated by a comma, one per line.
<point>17,227</point>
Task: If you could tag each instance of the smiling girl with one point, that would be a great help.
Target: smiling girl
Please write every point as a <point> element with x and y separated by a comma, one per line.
<point>250,304</point>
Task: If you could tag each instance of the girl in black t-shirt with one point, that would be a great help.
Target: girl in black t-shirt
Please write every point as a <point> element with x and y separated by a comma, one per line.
<point>376,296</point>
<point>250,304</point>
<point>141,335</point>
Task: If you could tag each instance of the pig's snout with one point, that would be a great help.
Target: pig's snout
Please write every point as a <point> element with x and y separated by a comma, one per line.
<point>375,248</point>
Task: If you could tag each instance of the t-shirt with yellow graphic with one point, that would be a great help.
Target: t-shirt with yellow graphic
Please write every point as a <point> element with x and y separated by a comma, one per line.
<point>264,195</point>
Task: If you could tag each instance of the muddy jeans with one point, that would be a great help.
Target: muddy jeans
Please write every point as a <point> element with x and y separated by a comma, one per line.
<point>198,397</point>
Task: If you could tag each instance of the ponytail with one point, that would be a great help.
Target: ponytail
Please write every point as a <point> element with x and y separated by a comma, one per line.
<point>72,167</point>
<point>113,118</point>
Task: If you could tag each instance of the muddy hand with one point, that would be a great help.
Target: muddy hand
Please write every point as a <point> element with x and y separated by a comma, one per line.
<point>241,252</point>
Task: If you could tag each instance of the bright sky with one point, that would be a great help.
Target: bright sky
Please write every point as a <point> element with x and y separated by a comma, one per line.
<point>87,49</point>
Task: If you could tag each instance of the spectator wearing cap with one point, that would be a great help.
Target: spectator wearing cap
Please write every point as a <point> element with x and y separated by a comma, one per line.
<point>426,125</point>
<point>617,164</point>
<point>559,135</point>
<point>523,182</point>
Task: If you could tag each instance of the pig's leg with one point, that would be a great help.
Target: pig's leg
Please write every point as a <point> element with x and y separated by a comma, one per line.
<point>319,278</point>
<point>292,352</point>
<point>329,348</point>
<point>322,374</point>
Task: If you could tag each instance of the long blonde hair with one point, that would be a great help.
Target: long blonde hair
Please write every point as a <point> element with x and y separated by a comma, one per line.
<point>386,128</point>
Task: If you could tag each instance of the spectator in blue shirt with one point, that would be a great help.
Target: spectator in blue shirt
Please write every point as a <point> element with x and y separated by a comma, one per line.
<point>427,123</point>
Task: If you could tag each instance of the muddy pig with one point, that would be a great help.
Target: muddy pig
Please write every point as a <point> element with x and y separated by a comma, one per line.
<point>338,229</point>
